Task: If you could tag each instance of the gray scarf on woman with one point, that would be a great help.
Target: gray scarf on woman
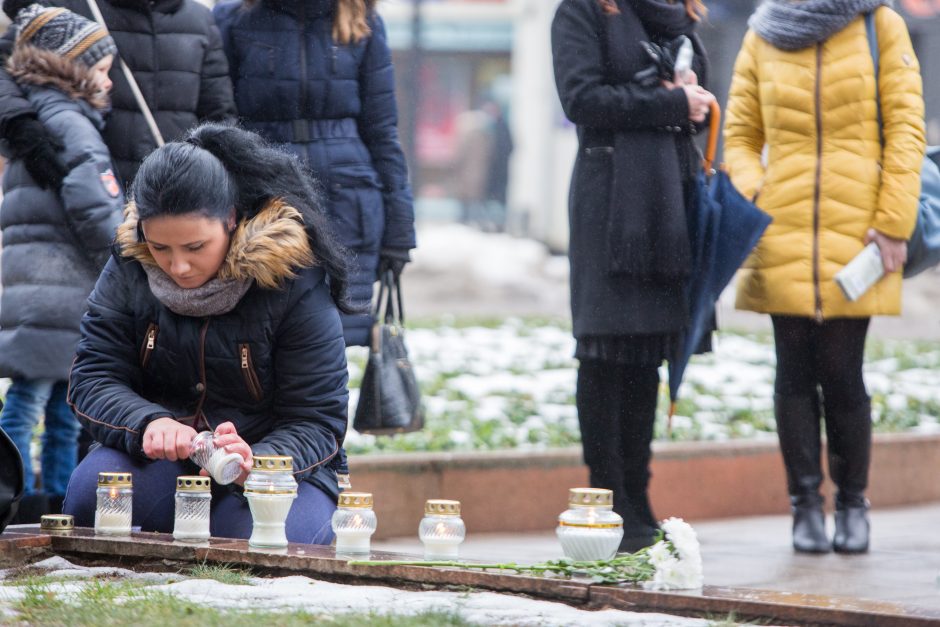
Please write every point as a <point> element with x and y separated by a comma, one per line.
<point>797,24</point>
<point>214,298</point>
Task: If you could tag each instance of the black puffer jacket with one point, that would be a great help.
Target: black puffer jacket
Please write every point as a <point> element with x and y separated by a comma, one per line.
<point>175,53</point>
<point>275,366</point>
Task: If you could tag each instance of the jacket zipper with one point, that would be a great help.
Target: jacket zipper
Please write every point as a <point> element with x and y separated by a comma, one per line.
<point>248,371</point>
<point>202,377</point>
<point>149,343</point>
<point>817,192</point>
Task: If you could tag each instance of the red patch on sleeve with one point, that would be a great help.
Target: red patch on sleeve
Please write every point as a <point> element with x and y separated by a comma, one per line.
<point>110,184</point>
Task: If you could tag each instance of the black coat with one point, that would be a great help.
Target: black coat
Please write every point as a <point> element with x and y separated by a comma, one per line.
<point>174,51</point>
<point>646,132</point>
<point>275,366</point>
<point>334,106</point>
<point>54,244</point>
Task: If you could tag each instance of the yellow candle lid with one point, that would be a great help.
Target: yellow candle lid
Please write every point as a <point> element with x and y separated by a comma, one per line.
<point>441,507</point>
<point>192,483</point>
<point>114,480</point>
<point>273,463</point>
<point>355,499</point>
<point>590,497</point>
<point>57,522</point>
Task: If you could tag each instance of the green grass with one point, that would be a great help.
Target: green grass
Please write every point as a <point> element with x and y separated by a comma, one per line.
<point>125,603</point>
<point>223,573</point>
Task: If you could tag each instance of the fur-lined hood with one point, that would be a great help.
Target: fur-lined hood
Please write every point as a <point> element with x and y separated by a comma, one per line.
<point>43,68</point>
<point>267,248</point>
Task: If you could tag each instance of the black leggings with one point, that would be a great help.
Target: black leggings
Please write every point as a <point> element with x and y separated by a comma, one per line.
<point>827,355</point>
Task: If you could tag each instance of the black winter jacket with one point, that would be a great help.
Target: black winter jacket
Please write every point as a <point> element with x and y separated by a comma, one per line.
<point>596,53</point>
<point>174,51</point>
<point>334,106</point>
<point>54,243</point>
<point>275,366</point>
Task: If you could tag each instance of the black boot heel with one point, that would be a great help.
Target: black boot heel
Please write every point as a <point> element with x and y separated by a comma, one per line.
<point>852,530</point>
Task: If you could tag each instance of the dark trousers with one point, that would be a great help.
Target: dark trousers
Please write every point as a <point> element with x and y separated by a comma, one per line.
<point>616,410</point>
<point>819,373</point>
<point>154,502</point>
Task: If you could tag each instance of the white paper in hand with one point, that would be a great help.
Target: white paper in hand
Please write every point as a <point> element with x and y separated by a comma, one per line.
<point>861,273</point>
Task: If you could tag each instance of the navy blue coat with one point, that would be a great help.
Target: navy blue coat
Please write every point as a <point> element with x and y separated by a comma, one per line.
<point>334,106</point>
<point>275,366</point>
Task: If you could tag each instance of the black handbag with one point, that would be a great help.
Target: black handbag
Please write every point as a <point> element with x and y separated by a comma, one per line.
<point>389,398</point>
<point>11,479</point>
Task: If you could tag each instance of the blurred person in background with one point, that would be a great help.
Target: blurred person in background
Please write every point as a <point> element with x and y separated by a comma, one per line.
<point>630,251</point>
<point>55,241</point>
<point>804,88</point>
<point>316,77</point>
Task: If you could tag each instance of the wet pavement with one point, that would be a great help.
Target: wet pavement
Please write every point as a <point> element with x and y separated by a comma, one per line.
<point>902,566</point>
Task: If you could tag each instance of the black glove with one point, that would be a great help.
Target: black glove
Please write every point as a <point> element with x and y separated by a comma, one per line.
<point>30,141</point>
<point>393,259</point>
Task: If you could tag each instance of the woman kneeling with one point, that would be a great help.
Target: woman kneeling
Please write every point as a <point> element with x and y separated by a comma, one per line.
<point>217,311</point>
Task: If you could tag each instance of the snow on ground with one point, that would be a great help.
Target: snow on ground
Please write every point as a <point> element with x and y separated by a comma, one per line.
<point>319,597</point>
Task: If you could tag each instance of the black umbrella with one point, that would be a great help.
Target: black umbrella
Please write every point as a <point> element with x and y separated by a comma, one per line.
<point>723,230</point>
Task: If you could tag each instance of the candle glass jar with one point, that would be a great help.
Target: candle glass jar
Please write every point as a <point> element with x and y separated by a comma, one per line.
<point>589,529</point>
<point>193,500</point>
<point>441,530</point>
<point>56,523</point>
<point>115,503</point>
<point>221,466</point>
<point>270,490</point>
<point>354,522</point>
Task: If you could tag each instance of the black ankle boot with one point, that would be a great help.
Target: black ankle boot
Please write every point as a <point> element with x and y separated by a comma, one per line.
<point>809,525</point>
<point>852,529</point>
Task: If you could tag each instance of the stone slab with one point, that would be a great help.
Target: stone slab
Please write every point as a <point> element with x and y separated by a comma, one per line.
<point>19,547</point>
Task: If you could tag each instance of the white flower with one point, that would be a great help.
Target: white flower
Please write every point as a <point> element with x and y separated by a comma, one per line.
<point>659,554</point>
<point>683,538</point>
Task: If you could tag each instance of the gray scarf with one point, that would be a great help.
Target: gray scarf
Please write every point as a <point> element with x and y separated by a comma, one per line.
<point>797,24</point>
<point>215,298</point>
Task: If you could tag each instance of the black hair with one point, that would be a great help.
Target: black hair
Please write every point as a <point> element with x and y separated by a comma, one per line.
<point>220,166</point>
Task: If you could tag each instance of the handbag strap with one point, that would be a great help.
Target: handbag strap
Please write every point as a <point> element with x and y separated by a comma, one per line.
<point>873,47</point>
<point>388,299</point>
<point>131,81</point>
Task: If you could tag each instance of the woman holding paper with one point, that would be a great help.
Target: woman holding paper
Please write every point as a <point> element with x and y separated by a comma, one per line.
<point>804,91</point>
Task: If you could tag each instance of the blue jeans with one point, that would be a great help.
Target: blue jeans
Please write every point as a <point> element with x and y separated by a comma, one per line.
<point>26,401</point>
<point>155,491</point>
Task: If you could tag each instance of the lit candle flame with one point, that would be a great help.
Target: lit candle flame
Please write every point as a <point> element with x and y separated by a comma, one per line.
<point>113,493</point>
<point>357,522</point>
<point>440,530</point>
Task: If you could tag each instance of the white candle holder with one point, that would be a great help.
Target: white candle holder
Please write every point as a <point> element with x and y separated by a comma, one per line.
<point>193,501</point>
<point>442,530</point>
<point>270,490</point>
<point>590,530</point>
<point>354,522</point>
<point>223,467</point>
<point>114,504</point>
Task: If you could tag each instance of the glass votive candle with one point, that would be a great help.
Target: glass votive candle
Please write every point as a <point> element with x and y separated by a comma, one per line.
<point>221,466</point>
<point>270,490</point>
<point>193,500</point>
<point>56,523</point>
<point>441,530</point>
<point>590,529</point>
<point>354,522</point>
<point>114,506</point>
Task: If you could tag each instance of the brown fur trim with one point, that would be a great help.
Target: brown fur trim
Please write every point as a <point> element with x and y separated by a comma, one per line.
<point>267,248</point>
<point>29,64</point>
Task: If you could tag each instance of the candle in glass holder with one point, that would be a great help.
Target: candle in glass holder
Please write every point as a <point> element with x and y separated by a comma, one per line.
<point>221,466</point>
<point>354,522</point>
<point>193,499</point>
<point>114,504</point>
<point>270,490</point>
<point>441,530</point>
<point>589,529</point>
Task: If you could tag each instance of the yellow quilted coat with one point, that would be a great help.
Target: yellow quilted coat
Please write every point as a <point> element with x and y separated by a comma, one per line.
<point>822,177</point>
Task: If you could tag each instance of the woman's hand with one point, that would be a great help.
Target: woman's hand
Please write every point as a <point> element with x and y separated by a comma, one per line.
<point>893,251</point>
<point>165,438</point>
<point>700,101</point>
<point>226,437</point>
